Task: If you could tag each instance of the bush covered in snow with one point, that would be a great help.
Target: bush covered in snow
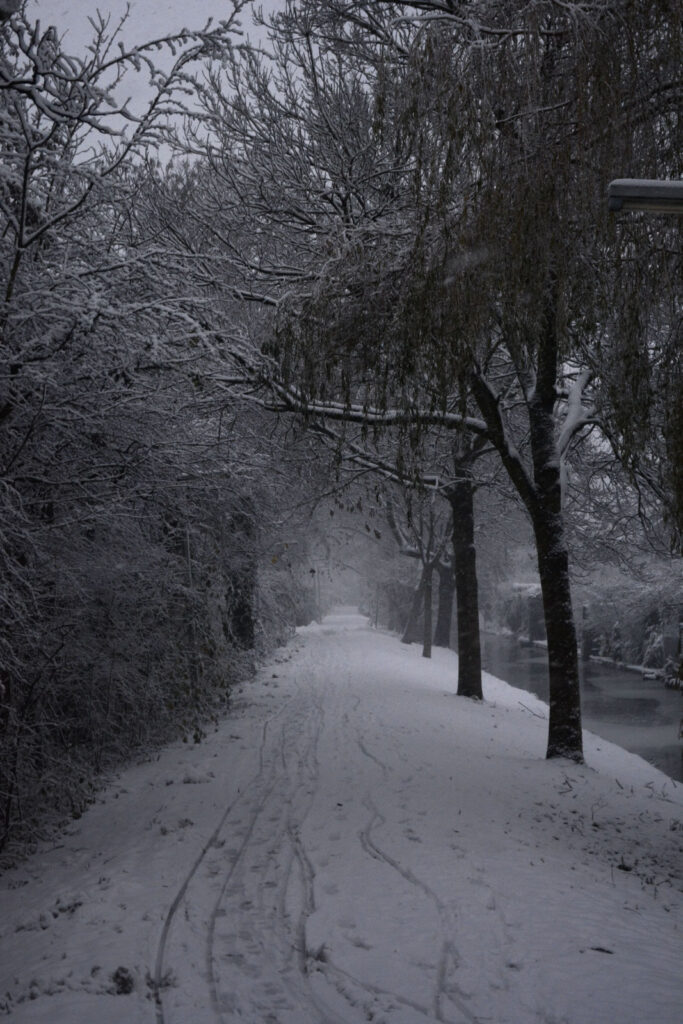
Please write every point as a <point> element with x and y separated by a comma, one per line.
<point>634,620</point>
<point>136,504</point>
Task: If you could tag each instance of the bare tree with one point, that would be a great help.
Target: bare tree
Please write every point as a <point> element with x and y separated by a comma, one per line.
<point>468,283</point>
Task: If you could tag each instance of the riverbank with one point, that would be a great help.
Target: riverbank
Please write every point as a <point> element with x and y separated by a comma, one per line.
<point>638,713</point>
<point>597,659</point>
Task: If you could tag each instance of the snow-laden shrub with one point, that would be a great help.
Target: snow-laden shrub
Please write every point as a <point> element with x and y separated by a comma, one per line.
<point>628,615</point>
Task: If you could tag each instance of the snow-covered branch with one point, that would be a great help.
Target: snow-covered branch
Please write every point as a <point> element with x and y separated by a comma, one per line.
<point>577,416</point>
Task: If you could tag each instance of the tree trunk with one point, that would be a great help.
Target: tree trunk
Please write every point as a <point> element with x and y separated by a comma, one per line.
<point>444,615</point>
<point>192,646</point>
<point>242,611</point>
<point>243,582</point>
<point>461,497</point>
<point>565,737</point>
<point>543,500</point>
<point>411,633</point>
<point>564,726</point>
<point>427,575</point>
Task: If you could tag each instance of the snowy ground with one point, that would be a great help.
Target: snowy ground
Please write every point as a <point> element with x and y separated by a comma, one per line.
<point>355,844</point>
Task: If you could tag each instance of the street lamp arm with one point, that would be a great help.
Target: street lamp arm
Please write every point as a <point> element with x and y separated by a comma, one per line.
<point>647,194</point>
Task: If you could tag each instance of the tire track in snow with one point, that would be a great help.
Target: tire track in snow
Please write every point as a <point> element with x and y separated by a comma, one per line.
<point>275,781</point>
<point>361,996</point>
<point>274,984</point>
<point>446,988</point>
<point>364,750</point>
<point>308,903</point>
<point>160,977</point>
<point>317,964</point>
<point>234,865</point>
<point>355,991</point>
<point>308,771</point>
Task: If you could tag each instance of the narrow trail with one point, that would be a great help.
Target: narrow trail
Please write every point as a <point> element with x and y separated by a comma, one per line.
<point>359,846</point>
<point>331,903</point>
<point>254,938</point>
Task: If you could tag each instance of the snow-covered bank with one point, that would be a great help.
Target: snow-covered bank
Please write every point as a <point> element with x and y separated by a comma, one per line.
<point>356,844</point>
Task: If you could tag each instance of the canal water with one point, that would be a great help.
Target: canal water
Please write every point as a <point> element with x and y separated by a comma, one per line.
<point>639,714</point>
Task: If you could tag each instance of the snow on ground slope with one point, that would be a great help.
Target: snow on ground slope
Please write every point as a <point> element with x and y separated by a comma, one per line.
<point>356,844</point>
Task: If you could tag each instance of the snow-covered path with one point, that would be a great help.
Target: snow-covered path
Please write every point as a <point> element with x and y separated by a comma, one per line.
<point>355,844</point>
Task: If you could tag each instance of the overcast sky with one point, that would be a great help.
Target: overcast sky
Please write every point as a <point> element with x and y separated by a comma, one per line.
<point>149,19</point>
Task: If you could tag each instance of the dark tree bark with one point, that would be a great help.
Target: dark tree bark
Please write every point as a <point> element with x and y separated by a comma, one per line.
<point>461,498</point>
<point>243,581</point>
<point>543,502</point>
<point>242,613</point>
<point>411,633</point>
<point>564,727</point>
<point>444,615</point>
<point>565,738</point>
<point>5,699</point>
<point>427,575</point>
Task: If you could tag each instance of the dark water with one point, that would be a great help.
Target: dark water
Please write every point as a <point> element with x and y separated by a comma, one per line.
<point>639,714</point>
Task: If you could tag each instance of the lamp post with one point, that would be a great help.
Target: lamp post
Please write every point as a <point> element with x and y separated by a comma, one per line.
<point>625,194</point>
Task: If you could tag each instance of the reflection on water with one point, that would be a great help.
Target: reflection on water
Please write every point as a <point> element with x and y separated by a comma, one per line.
<point>638,714</point>
<point>632,709</point>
